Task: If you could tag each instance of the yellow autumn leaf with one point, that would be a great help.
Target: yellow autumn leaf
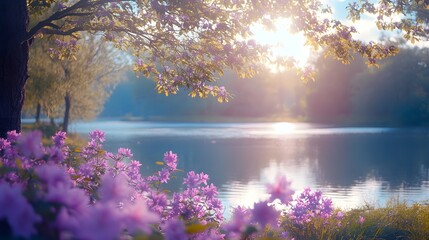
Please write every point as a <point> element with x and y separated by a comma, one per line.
<point>19,163</point>
<point>197,228</point>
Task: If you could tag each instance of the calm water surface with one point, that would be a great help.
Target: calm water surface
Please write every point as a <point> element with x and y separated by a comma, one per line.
<point>353,166</point>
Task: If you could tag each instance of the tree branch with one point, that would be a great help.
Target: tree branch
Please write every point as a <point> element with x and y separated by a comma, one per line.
<point>56,16</point>
<point>59,32</point>
<point>81,4</point>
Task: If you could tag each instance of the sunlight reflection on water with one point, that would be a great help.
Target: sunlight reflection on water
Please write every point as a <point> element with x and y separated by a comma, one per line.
<point>218,130</point>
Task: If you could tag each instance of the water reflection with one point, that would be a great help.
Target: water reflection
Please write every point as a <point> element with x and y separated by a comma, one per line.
<point>351,165</point>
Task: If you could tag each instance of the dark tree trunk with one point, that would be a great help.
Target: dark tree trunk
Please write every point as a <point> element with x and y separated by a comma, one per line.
<point>13,63</point>
<point>67,100</point>
<point>52,120</point>
<point>38,110</point>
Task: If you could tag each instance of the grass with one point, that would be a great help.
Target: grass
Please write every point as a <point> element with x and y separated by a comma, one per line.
<point>48,130</point>
<point>395,221</point>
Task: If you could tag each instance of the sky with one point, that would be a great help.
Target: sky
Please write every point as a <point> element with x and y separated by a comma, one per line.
<point>287,44</point>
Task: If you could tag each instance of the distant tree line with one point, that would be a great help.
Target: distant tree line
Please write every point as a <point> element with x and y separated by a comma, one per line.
<point>395,93</point>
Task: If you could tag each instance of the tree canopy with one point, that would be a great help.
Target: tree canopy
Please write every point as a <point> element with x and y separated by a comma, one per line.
<point>189,43</point>
<point>179,43</point>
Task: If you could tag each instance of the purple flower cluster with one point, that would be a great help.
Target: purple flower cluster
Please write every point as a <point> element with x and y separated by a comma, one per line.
<point>52,192</point>
<point>311,204</point>
<point>280,190</point>
<point>17,210</point>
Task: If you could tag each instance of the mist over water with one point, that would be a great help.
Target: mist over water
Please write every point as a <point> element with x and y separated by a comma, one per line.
<point>353,166</point>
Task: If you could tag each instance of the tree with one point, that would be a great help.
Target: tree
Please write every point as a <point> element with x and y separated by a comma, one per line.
<point>41,87</point>
<point>398,92</point>
<point>73,89</point>
<point>90,79</point>
<point>192,41</point>
<point>410,17</point>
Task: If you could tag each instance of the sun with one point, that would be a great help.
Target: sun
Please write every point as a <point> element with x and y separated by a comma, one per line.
<point>282,42</point>
<point>283,127</point>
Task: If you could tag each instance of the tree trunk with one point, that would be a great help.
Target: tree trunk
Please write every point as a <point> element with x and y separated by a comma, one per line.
<point>52,120</point>
<point>38,110</point>
<point>67,100</point>
<point>13,63</point>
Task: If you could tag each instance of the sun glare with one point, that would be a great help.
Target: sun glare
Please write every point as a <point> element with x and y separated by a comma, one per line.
<point>283,127</point>
<point>282,42</point>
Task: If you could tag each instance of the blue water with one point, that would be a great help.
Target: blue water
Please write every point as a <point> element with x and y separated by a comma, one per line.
<point>353,166</point>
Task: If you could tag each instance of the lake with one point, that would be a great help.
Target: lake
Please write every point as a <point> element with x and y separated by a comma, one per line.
<point>351,165</point>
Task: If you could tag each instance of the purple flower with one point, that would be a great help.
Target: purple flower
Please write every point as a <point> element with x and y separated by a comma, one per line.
<point>17,211</point>
<point>74,199</point>
<point>59,139</point>
<point>210,234</point>
<point>311,204</point>
<point>55,154</point>
<point>210,191</point>
<point>114,189</point>
<point>222,91</point>
<point>239,221</point>
<point>361,219</point>
<point>158,202</point>
<point>4,144</point>
<point>192,180</point>
<point>125,152</point>
<point>101,221</point>
<point>61,6</point>
<point>120,166</point>
<point>135,164</point>
<point>327,208</point>
<point>66,220</point>
<point>100,196</point>
<point>264,214</point>
<point>280,190</point>
<point>53,175</point>
<point>12,136</point>
<point>174,229</point>
<point>139,62</point>
<point>170,160</point>
<point>86,169</point>
<point>164,175</point>
<point>139,217</point>
<point>284,235</point>
<point>340,215</point>
<point>97,135</point>
<point>30,145</point>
